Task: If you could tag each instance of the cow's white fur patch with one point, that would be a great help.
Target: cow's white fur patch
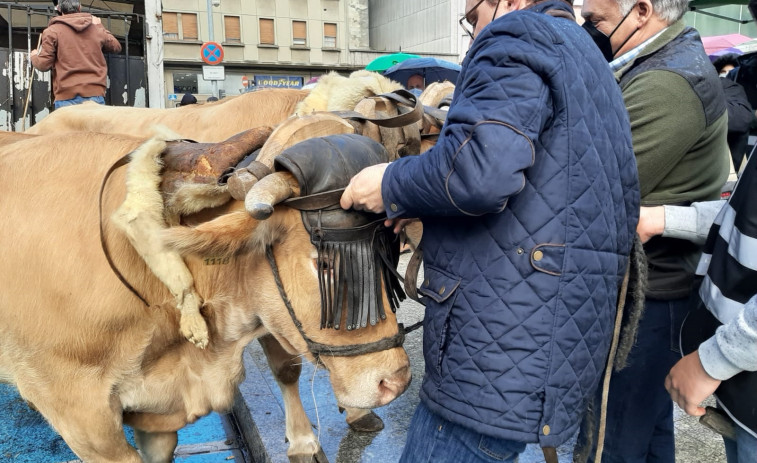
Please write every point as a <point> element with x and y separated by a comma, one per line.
<point>141,218</point>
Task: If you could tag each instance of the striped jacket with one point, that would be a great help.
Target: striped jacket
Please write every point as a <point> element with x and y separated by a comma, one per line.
<point>728,267</point>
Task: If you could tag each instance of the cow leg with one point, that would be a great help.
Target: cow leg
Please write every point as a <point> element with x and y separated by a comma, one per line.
<point>156,447</point>
<point>286,368</point>
<point>91,428</point>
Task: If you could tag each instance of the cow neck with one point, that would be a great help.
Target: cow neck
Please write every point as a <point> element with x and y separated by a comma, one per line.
<point>318,349</point>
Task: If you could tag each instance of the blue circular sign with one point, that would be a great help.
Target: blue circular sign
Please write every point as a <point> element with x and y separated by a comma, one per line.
<point>211,53</point>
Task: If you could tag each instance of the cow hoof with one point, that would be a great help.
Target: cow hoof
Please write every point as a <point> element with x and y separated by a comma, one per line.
<point>194,328</point>
<point>319,457</point>
<point>367,423</point>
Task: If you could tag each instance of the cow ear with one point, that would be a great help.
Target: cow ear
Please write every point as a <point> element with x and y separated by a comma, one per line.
<point>226,235</point>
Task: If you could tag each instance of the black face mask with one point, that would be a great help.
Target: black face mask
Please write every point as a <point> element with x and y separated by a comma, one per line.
<point>603,41</point>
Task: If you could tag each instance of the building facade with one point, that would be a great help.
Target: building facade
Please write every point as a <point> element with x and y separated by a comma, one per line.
<point>276,43</point>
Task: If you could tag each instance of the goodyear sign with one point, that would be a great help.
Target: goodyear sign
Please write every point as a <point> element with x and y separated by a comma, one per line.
<point>279,81</point>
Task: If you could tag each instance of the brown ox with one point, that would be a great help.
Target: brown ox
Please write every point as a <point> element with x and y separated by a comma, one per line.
<point>216,122</point>
<point>222,119</point>
<point>91,357</point>
<point>208,122</point>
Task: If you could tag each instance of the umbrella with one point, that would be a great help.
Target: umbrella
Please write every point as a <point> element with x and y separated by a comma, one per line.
<point>715,43</point>
<point>724,51</point>
<point>432,70</point>
<point>382,63</point>
<point>747,47</point>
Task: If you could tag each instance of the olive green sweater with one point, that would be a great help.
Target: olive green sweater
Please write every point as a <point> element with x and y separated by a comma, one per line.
<point>681,159</point>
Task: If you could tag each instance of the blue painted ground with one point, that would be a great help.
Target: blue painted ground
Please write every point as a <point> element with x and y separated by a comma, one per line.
<point>25,437</point>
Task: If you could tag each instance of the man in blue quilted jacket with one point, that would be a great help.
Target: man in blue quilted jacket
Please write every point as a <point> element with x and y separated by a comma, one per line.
<point>529,203</point>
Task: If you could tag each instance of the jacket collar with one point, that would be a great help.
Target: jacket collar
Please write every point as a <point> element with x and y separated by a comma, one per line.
<point>553,8</point>
<point>673,31</point>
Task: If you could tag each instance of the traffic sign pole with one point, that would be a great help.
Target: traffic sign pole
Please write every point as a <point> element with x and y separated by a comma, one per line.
<point>211,38</point>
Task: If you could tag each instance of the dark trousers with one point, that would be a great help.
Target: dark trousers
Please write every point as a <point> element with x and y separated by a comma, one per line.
<point>639,410</point>
<point>432,439</point>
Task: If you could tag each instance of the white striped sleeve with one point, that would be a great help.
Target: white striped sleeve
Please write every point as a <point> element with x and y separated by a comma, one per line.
<point>733,349</point>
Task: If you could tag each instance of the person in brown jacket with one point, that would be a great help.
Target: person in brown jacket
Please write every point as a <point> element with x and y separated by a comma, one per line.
<point>73,46</point>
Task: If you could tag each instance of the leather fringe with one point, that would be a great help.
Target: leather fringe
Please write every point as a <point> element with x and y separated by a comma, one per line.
<point>352,279</point>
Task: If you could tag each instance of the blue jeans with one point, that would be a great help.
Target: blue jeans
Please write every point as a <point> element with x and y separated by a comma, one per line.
<point>743,449</point>
<point>79,100</point>
<point>431,438</point>
<point>639,425</point>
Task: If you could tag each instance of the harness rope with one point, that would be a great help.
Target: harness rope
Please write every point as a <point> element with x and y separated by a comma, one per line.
<point>318,349</point>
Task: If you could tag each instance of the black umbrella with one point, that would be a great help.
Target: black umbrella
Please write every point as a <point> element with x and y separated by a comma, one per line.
<point>432,70</point>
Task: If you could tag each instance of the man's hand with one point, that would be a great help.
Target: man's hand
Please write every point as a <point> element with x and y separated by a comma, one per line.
<point>364,191</point>
<point>96,20</point>
<point>34,52</point>
<point>651,222</point>
<point>398,224</point>
<point>689,384</point>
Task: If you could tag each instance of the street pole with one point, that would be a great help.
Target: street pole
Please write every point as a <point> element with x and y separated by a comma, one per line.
<point>212,39</point>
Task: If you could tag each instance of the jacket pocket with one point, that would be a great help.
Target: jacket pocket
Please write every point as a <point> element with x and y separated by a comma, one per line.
<point>439,286</point>
<point>548,258</point>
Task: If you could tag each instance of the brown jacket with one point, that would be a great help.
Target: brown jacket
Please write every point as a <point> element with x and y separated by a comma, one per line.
<point>73,45</point>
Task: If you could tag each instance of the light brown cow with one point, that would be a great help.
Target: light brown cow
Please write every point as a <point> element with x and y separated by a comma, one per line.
<point>209,122</point>
<point>224,118</point>
<point>91,357</point>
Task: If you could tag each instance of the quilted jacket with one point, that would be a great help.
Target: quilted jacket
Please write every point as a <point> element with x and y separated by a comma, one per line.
<point>529,203</point>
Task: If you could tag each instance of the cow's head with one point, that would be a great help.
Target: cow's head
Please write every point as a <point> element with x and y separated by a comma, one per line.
<point>314,272</point>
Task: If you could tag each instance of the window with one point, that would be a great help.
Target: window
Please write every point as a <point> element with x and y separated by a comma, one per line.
<point>188,30</point>
<point>299,34</point>
<point>189,26</point>
<point>329,35</point>
<point>266,31</point>
<point>231,29</point>
<point>184,82</point>
<point>170,26</point>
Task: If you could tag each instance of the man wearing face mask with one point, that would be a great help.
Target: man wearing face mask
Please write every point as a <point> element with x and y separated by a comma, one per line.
<point>679,127</point>
<point>529,204</point>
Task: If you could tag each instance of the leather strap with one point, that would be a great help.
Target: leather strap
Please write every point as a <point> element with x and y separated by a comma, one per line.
<point>411,274</point>
<point>402,98</point>
<point>550,454</point>
<point>317,201</point>
<point>119,163</point>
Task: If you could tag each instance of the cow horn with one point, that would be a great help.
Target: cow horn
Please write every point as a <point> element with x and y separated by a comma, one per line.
<point>269,191</point>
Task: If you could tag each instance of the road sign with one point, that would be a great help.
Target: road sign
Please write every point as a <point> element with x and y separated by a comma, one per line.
<point>211,53</point>
<point>213,73</point>
<point>245,81</point>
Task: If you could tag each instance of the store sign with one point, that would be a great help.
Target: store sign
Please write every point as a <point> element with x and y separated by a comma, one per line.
<point>279,81</point>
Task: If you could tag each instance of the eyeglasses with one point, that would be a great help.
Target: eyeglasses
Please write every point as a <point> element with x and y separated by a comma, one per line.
<point>469,26</point>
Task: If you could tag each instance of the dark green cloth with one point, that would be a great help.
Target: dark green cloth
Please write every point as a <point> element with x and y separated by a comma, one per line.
<point>681,158</point>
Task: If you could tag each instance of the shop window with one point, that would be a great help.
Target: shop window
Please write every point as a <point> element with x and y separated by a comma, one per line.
<point>231,28</point>
<point>266,31</point>
<point>184,82</point>
<point>329,35</point>
<point>299,34</point>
